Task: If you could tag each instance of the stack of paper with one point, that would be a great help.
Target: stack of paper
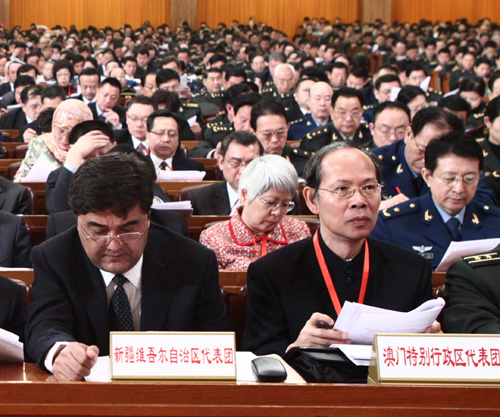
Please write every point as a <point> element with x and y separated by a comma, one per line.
<point>11,349</point>
<point>165,175</point>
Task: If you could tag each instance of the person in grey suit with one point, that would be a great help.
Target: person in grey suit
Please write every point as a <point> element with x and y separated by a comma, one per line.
<point>237,151</point>
<point>15,246</point>
<point>115,264</point>
<point>14,198</point>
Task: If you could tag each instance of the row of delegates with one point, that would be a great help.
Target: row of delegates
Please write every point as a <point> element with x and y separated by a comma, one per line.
<point>54,145</point>
<point>288,289</point>
<point>447,212</point>
<point>260,226</point>
<point>115,255</point>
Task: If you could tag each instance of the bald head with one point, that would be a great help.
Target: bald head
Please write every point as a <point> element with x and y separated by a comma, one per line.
<point>320,101</point>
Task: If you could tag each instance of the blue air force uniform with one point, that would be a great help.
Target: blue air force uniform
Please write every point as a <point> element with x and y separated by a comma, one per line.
<point>417,225</point>
<point>302,126</point>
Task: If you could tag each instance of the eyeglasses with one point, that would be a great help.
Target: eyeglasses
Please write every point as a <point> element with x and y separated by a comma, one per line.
<point>399,132</point>
<point>138,119</point>
<point>105,240</point>
<point>237,163</point>
<point>354,114</point>
<point>367,190</point>
<point>271,205</point>
<point>170,134</point>
<point>469,180</point>
<point>268,135</point>
<point>63,74</point>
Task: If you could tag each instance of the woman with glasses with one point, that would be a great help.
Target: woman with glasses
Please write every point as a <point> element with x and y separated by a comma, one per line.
<point>429,223</point>
<point>259,226</point>
<point>63,75</point>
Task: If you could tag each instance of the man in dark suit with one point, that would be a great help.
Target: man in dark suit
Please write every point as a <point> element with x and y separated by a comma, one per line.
<point>31,104</point>
<point>163,140</point>
<point>15,245</point>
<point>14,198</point>
<point>11,71</point>
<point>116,265</point>
<point>236,152</point>
<point>106,107</point>
<point>89,81</point>
<point>12,315</point>
<point>290,290</point>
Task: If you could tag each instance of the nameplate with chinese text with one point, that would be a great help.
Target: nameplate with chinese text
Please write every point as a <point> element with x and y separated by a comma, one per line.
<point>435,358</point>
<point>172,355</point>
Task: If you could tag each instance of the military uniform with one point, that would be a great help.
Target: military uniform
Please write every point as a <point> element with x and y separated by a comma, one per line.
<point>325,135</point>
<point>213,136</point>
<point>417,225</point>
<point>457,75</point>
<point>433,96</point>
<point>287,100</point>
<point>472,294</point>
<point>299,128</point>
<point>297,157</point>
<point>476,117</point>
<point>189,110</point>
<point>206,97</point>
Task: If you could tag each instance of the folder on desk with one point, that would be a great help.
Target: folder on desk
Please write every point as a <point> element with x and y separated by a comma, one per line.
<point>11,349</point>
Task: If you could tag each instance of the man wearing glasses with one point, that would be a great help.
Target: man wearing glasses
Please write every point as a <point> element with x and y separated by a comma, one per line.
<point>115,271</point>
<point>427,224</point>
<point>347,105</point>
<point>290,290</point>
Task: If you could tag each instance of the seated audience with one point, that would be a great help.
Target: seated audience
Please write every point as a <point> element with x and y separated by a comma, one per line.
<point>14,198</point>
<point>288,290</point>
<point>413,97</point>
<point>238,149</point>
<point>15,245</point>
<point>260,225</point>
<point>390,121</point>
<point>473,90</point>
<point>54,145</point>
<point>429,223</point>
<point>12,315</point>
<point>120,273</point>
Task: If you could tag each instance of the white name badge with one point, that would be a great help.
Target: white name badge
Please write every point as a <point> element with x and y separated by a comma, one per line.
<point>435,358</point>
<point>172,355</point>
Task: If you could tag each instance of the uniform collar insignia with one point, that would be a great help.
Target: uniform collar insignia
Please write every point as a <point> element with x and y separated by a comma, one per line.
<point>422,249</point>
<point>475,220</point>
<point>427,216</point>
<point>399,169</point>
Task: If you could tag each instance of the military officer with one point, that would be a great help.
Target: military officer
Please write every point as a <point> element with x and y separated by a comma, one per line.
<point>427,224</point>
<point>347,104</point>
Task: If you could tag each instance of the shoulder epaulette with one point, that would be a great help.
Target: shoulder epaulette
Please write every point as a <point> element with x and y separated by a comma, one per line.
<point>483,259</point>
<point>293,122</point>
<point>194,105</point>
<point>301,153</point>
<point>399,210</point>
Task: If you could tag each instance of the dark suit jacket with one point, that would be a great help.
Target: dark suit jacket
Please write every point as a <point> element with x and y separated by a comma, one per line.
<point>286,287</point>
<point>12,315</point>
<point>69,297</point>
<point>212,200</point>
<point>118,109</point>
<point>63,220</point>
<point>181,163</point>
<point>57,191</point>
<point>5,88</point>
<point>23,129</point>
<point>15,245</point>
<point>14,198</point>
<point>15,119</point>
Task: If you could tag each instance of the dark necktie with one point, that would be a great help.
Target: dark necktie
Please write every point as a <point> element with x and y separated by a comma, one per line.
<point>120,315</point>
<point>163,166</point>
<point>455,228</point>
<point>142,149</point>
<point>102,118</point>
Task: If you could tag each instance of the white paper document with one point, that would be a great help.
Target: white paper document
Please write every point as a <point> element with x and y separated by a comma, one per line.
<point>358,354</point>
<point>361,322</point>
<point>466,248</point>
<point>192,121</point>
<point>40,171</point>
<point>11,349</point>
<point>174,205</point>
<point>165,175</point>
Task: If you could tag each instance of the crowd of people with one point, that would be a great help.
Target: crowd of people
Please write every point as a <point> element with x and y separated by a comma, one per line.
<point>394,170</point>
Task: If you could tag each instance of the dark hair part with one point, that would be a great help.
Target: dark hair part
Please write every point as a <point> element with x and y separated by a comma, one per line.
<point>347,92</point>
<point>455,143</point>
<point>455,103</point>
<point>387,78</point>
<point>241,137</point>
<point>113,82</point>
<point>163,113</point>
<point>114,181</point>
<point>53,91</point>
<point>146,101</point>
<point>313,171</point>
<point>88,126</point>
<point>473,84</point>
<point>408,93</point>
<point>30,92</point>
<point>169,99</point>
<point>264,108</point>
<point>165,75</point>
<point>436,116</point>
<point>390,105</point>
<point>23,80</point>
<point>493,109</point>
<point>248,99</point>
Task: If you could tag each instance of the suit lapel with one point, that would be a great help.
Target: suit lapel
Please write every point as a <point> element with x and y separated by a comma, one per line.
<point>2,198</point>
<point>220,200</point>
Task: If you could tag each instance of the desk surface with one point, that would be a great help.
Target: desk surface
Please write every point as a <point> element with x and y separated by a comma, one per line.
<point>27,391</point>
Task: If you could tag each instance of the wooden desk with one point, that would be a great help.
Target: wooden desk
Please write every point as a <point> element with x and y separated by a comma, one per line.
<point>172,188</point>
<point>39,189</point>
<point>28,392</point>
<point>4,165</point>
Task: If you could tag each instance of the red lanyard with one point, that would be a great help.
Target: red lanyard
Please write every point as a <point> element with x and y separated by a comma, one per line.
<point>328,279</point>
<point>264,242</point>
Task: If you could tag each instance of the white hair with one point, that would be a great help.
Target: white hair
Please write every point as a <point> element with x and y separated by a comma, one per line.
<point>266,172</point>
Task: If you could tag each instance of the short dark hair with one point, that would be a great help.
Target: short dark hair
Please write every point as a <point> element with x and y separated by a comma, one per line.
<point>473,84</point>
<point>113,82</point>
<point>30,92</point>
<point>234,72</point>
<point>163,113</point>
<point>455,103</point>
<point>390,105</point>
<point>90,71</point>
<point>313,171</point>
<point>494,77</point>
<point>408,93</point>
<point>147,101</point>
<point>170,99</point>
<point>114,181</point>
<point>387,78</point>
<point>493,109</point>
<point>232,93</point>
<point>456,143</point>
<point>264,108</point>
<point>165,75</point>
<point>348,93</point>
<point>241,137</point>
<point>53,91</point>
<point>211,70</point>
<point>23,69</point>
<point>23,80</point>
<point>360,72</point>
<point>88,126</point>
<point>44,121</point>
<point>248,99</point>
<point>436,116</point>
<point>61,64</point>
